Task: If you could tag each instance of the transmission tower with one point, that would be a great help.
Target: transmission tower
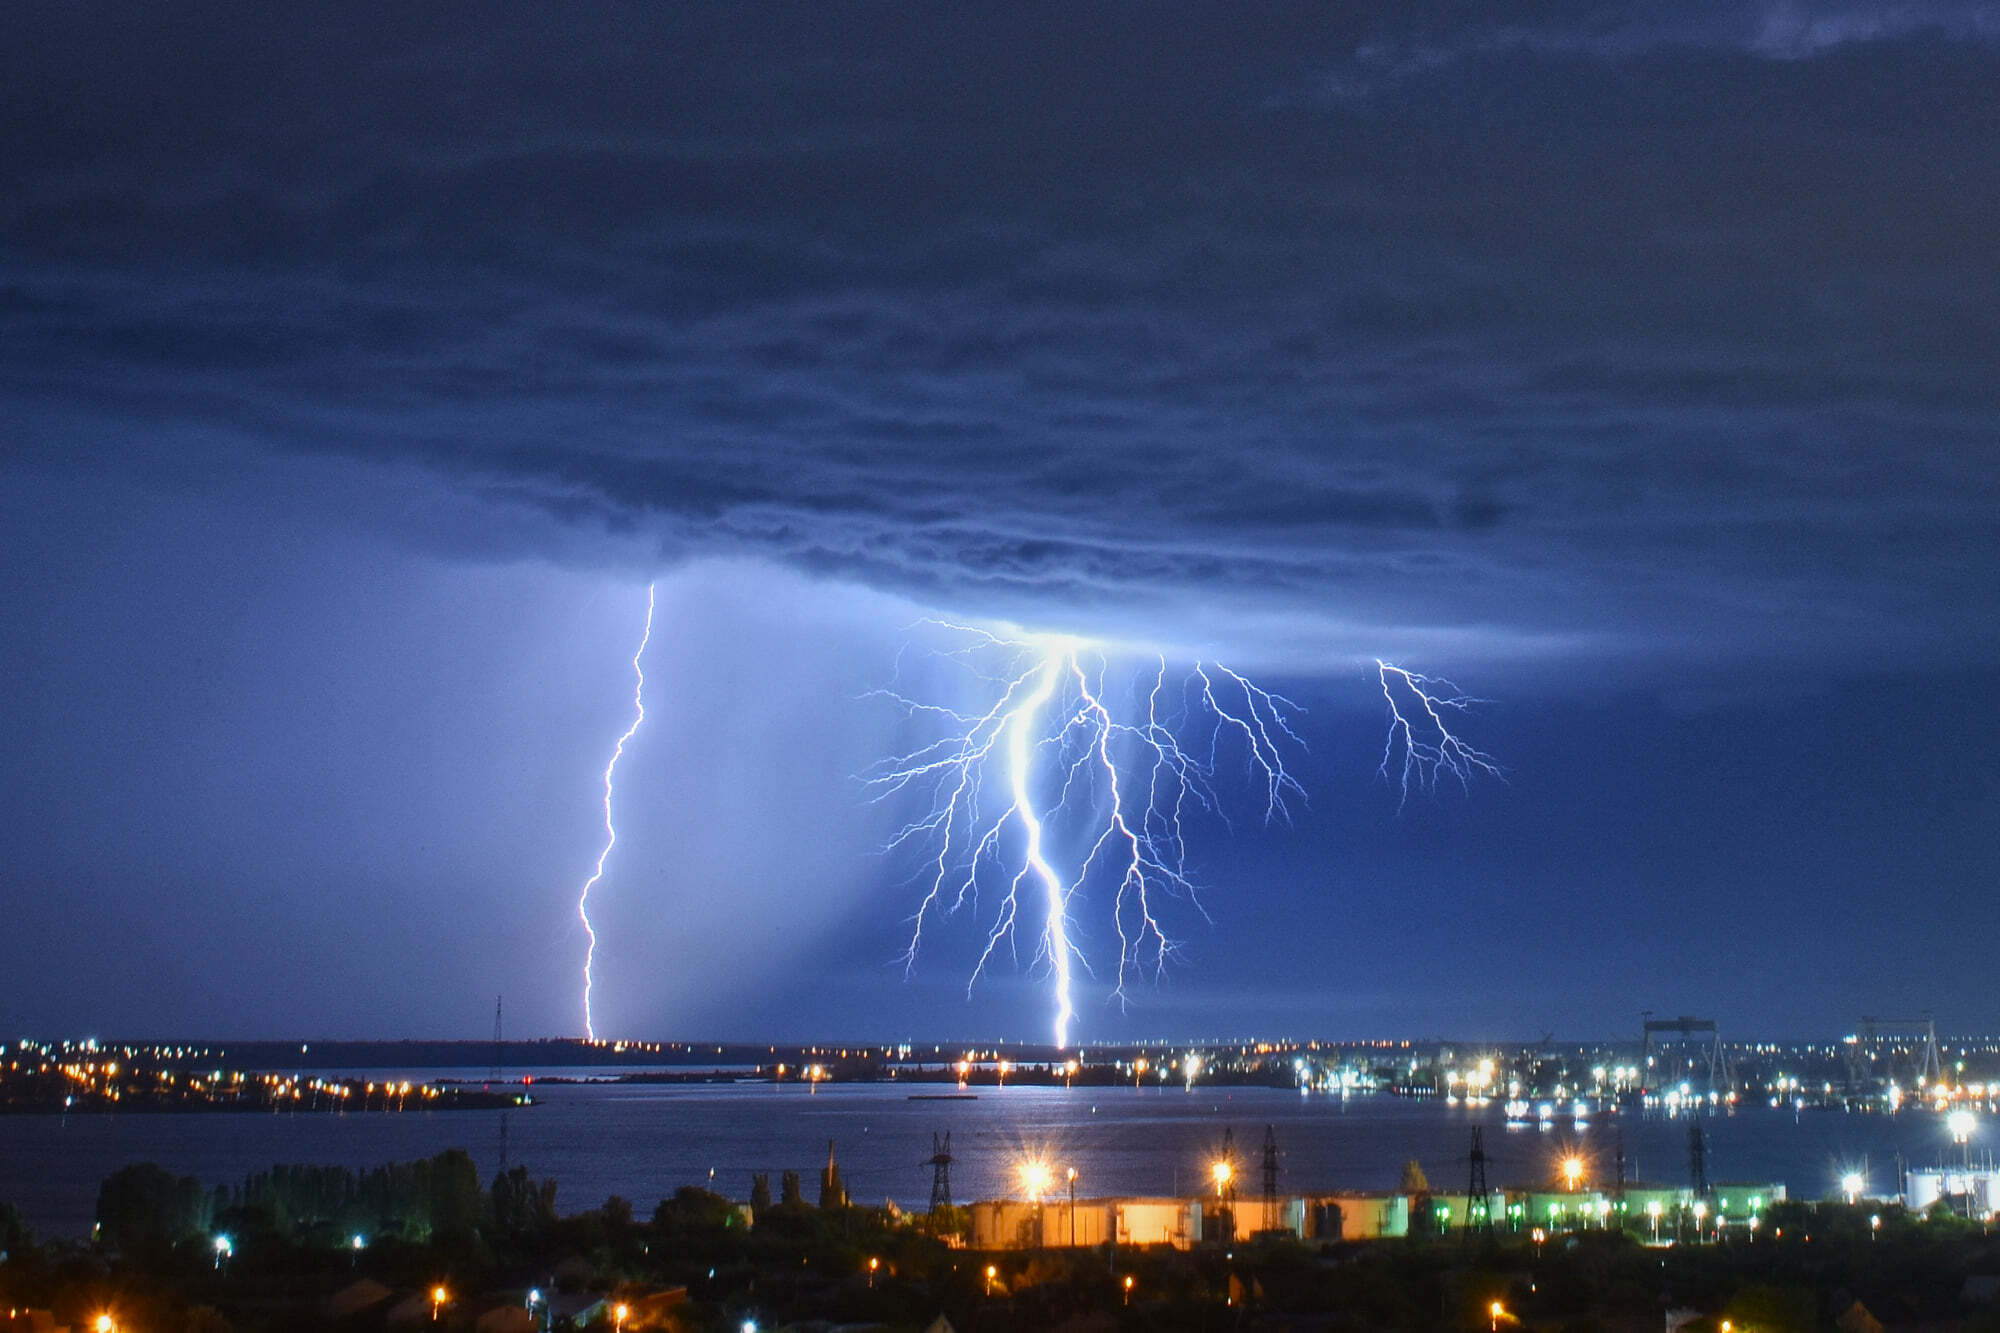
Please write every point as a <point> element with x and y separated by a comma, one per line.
<point>499,1057</point>
<point>1270,1178</point>
<point>1476,1195</point>
<point>940,1165</point>
<point>496,1074</point>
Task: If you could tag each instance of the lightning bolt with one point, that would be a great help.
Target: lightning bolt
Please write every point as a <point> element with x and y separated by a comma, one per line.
<point>1419,729</point>
<point>610,832</point>
<point>1118,782</point>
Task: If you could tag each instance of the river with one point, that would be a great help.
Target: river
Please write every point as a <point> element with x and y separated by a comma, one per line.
<point>642,1141</point>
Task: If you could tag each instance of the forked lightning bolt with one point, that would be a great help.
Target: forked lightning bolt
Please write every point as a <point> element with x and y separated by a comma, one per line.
<point>610,832</point>
<point>1116,784</point>
<point>1420,730</point>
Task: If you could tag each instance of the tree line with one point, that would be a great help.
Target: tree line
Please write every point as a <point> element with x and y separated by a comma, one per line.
<point>144,1206</point>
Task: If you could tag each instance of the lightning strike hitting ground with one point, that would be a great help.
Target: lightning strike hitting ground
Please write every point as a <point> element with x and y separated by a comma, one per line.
<point>611,833</point>
<point>1429,748</point>
<point>1115,791</point>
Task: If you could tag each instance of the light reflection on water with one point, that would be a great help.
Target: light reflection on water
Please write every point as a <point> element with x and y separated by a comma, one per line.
<point>643,1141</point>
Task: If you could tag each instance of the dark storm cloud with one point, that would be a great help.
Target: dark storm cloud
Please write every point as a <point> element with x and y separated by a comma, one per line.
<point>1349,331</point>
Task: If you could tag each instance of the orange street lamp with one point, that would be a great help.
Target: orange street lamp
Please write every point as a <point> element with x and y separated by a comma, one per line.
<point>618,1316</point>
<point>991,1273</point>
<point>1495,1311</point>
<point>1072,1208</point>
<point>1221,1171</point>
<point>1572,1169</point>
<point>105,1324</point>
<point>1128,1288</point>
<point>873,1264</point>
<point>437,1302</point>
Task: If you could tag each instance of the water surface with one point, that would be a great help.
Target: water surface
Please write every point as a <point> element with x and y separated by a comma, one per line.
<point>643,1141</point>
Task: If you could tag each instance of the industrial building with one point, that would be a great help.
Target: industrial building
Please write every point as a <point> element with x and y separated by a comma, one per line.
<point>1651,1212</point>
<point>1016,1224</point>
<point>1974,1190</point>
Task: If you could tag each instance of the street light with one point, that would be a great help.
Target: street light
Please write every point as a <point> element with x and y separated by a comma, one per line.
<point>1961,1123</point>
<point>873,1264</point>
<point>618,1314</point>
<point>1653,1212</point>
<point>437,1302</point>
<point>1851,1185</point>
<point>1572,1169</point>
<point>1128,1288</point>
<point>1072,1207</point>
<point>991,1273</point>
<point>106,1324</point>
<point>1221,1171</point>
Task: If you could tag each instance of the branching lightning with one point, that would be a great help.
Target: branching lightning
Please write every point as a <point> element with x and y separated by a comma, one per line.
<point>1429,748</point>
<point>1105,779</point>
<point>610,832</point>
<point>1117,789</point>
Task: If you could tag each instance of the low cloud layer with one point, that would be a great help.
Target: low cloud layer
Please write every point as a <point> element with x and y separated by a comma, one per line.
<point>1294,334</point>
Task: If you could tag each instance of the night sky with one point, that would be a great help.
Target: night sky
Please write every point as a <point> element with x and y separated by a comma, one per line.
<point>1636,367</point>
